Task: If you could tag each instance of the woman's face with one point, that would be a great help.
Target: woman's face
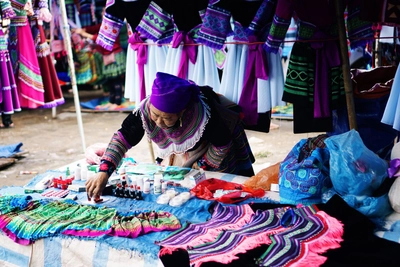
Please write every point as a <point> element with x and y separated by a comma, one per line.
<point>162,119</point>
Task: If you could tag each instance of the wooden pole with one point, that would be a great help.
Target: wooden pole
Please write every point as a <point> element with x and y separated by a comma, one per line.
<point>344,56</point>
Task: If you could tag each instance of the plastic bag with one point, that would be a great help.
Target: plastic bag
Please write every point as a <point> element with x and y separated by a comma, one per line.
<point>394,195</point>
<point>264,178</point>
<point>93,153</point>
<point>304,176</point>
<point>234,192</point>
<point>354,169</point>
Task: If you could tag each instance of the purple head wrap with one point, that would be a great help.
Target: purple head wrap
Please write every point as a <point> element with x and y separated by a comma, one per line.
<point>171,94</point>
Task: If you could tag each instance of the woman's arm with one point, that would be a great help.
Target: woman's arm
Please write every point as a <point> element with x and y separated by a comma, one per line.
<point>129,135</point>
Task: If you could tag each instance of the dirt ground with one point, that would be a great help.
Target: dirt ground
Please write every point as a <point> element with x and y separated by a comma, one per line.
<point>55,141</point>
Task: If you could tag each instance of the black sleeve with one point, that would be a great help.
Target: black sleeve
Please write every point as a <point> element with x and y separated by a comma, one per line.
<point>132,128</point>
<point>216,132</point>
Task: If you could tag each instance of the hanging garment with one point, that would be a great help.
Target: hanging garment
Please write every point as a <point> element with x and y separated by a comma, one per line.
<point>391,115</point>
<point>186,59</point>
<point>251,77</point>
<point>9,100</point>
<point>87,13</point>
<point>147,52</point>
<point>53,95</point>
<point>25,62</point>
<point>113,20</point>
<point>314,82</point>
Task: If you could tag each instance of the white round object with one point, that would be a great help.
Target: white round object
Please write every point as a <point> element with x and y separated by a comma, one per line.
<point>176,201</point>
<point>171,193</point>
<point>185,196</point>
<point>163,199</point>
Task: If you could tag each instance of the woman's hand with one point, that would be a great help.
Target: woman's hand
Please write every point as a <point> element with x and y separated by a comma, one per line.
<point>195,166</point>
<point>96,184</point>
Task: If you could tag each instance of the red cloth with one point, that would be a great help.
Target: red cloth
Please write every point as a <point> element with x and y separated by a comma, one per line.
<point>94,30</point>
<point>207,188</point>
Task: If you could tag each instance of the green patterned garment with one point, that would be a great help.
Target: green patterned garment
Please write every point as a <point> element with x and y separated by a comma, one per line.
<point>25,220</point>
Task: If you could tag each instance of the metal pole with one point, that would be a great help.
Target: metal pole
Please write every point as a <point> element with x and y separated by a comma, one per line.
<point>67,43</point>
<point>348,86</point>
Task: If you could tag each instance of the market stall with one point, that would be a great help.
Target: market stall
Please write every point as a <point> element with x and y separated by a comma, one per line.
<point>66,250</point>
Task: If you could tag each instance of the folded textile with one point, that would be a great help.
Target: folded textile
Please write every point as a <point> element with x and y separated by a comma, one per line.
<point>10,150</point>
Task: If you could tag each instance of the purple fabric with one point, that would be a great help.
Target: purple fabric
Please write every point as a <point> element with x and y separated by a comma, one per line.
<point>189,52</point>
<point>171,94</point>
<point>394,168</point>
<point>256,68</point>
<point>138,45</point>
<point>326,57</point>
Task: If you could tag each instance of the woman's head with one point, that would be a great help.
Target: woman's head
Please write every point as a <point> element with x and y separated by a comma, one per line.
<point>162,119</point>
<point>171,94</point>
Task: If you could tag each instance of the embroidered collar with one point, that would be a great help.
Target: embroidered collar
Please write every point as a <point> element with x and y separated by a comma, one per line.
<point>177,139</point>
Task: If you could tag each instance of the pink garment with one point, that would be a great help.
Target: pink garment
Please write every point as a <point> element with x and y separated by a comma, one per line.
<point>189,52</point>
<point>29,81</point>
<point>140,47</point>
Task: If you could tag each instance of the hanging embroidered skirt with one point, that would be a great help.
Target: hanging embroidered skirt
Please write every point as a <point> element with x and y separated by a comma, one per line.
<point>117,68</point>
<point>391,116</point>
<point>83,70</point>
<point>234,69</point>
<point>28,77</point>
<point>52,91</point>
<point>9,101</point>
<point>156,59</point>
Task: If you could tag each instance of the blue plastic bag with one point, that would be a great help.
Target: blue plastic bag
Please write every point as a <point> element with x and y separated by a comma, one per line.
<point>354,169</point>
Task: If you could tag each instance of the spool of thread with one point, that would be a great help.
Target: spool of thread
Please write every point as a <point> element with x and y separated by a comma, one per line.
<point>146,187</point>
<point>139,183</point>
<point>77,172</point>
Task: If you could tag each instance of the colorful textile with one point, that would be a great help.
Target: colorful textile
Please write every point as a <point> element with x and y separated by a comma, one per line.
<point>223,218</point>
<point>26,220</point>
<point>28,77</point>
<point>238,240</point>
<point>156,24</point>
<point>7,12</point>
<point>20,13</point>
<point>293,235</point>
<point>9,100</point>
<point>304,242</point>
<point>109,30</point>
<point>53,95</point>
<point>215,27</point>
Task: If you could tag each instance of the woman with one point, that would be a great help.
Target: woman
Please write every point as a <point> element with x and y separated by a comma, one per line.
<point>189,124</point>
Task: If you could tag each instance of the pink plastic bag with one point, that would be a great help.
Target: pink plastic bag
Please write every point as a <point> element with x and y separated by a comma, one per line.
<point>94,153</point>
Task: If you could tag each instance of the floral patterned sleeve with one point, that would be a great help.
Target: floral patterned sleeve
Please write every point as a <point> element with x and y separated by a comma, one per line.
<point>7,12</point>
